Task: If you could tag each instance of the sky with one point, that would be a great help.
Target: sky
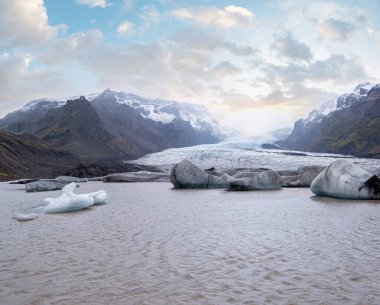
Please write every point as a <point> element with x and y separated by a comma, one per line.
<point>257,65</point>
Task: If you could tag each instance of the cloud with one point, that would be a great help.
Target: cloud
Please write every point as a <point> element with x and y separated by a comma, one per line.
<point>150,16</point>
<point>337,68</point>
<point>20,82</point>
<point>201,41</point>
<point>223,70</point>
<point>228,17</point>
<point>71,48</point>
<point>127,5</point>
<point>290,48</point>
<point>126,27</point>
<point>94,3</point>
<point>335,29</point>
<point>25,23</point>
<point>298,96</point>
<point>179,67</point>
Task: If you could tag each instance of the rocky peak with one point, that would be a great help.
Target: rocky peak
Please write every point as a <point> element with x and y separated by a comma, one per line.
<point>363,88</point>
<point>374,93</point>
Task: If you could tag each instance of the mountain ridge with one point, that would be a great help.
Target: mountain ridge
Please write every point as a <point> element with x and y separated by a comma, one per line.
<point>114,125</point>
<point>352,127</point>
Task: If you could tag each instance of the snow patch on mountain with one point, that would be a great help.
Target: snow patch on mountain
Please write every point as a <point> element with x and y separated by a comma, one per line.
<point>49,103</point>
<point>158,110</point>
<point>363,88</point>
<point>165,111</point>
<point>341,102</point>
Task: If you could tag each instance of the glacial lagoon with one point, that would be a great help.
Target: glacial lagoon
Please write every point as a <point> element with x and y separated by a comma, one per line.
<point>151,244</point>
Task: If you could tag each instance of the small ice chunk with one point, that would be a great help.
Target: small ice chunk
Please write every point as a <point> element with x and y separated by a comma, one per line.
<point>100,197</point>
<point>69,202</point>
<point>25,216</point>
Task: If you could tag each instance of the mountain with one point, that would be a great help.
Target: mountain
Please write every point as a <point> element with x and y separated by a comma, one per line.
<point>114,124</point>
<point>23,156</point>
<point>155,125</point>
<point>349,124</point>
<point>73,126</point>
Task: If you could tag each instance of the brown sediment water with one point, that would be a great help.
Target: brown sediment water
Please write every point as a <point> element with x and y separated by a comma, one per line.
<point>151,244</point>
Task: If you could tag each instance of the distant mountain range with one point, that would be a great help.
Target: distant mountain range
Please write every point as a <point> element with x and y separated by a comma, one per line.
<point>113,125</point>
<point>349,124</point>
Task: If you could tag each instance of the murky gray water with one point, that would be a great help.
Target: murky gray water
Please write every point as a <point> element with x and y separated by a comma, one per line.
<point>154,245</point>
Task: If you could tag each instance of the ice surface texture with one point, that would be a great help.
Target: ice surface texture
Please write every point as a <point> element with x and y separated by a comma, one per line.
<point>68,201</point>
<point>187,175</point>
<point>343,179</point>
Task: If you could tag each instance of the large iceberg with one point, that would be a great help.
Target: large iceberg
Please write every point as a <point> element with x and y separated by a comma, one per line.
<point>266,180</point>
<point>68,201</point>
<point>343,179</point>
<point>141,176</point>
<point>187,175</point>
<point>44,186</point>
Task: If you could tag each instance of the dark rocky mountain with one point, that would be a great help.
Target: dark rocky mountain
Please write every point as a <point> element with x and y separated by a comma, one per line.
<point>23,155</point>
<point>126,122</point>
<point>352,127</point>
<point>75,127</point>
<point>113,125</point>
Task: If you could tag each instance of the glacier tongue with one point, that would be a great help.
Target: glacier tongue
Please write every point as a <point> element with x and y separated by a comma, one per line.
<point>245,154</point>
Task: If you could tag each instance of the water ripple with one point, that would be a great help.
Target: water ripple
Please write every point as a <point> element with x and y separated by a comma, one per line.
<point>154,245</point>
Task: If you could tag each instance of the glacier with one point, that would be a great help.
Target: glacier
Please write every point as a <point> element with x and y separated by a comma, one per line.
<point>227,155</point>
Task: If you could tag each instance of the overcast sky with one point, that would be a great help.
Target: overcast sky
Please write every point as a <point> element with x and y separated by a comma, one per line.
<point>257,65</point>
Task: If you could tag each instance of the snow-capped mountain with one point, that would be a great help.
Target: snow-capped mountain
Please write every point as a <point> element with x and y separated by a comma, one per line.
<point>164,111</point>
<point>350,124</point>
<point>114,124</point>
<point>158,110</point>
<point>50,103</point>
<point>341,102</point>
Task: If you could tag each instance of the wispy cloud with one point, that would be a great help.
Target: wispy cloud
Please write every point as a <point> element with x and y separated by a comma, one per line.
<point>228,17</point>
<point>94,3</point>
<point>288,47</point>
<point>126,27</point>
<point>335,29</point>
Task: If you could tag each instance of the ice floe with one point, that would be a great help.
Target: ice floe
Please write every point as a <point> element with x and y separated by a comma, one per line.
<point>69,202</point>
<point>343,179</point>
<point>25,216</point>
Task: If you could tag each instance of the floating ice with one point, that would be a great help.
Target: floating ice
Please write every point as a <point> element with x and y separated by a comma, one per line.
<point>100,197</point>
<point>346,180</point>
<point>69,202</point>
<point>25,216</point>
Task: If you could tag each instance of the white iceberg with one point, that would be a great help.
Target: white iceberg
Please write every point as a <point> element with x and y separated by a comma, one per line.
<point>100,197</point>
<point>69,202</point>
<point>346,180</point>
<point>25,216</point>
<point>266,180</point>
